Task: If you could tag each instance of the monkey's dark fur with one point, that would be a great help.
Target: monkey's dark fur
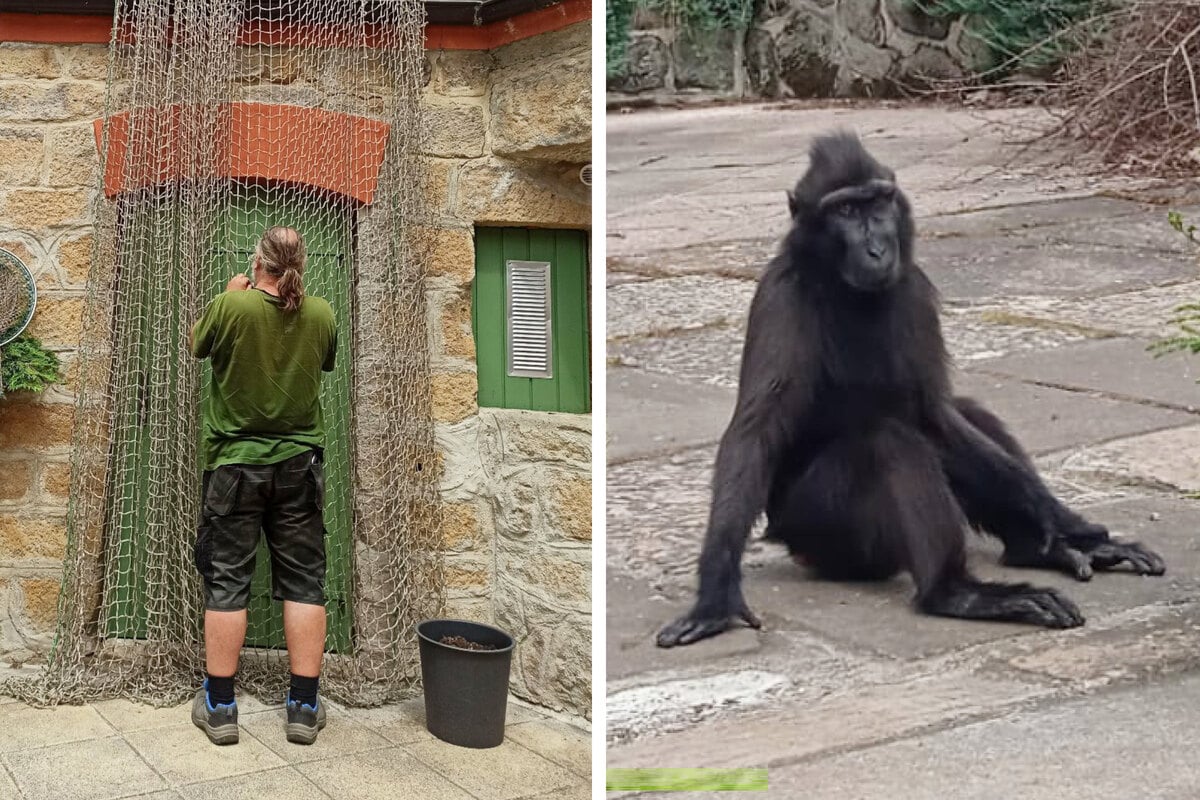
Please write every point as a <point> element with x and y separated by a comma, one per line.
<point>846,432</point>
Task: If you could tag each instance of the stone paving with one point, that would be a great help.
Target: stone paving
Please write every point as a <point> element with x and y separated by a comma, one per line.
<point>1054,284</point>
<point>119,749</point>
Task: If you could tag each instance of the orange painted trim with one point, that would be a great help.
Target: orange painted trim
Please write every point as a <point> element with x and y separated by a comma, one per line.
<point>507,31</point>
<point>85,29</point>
<point>55,28</point>
<point>337,152</point>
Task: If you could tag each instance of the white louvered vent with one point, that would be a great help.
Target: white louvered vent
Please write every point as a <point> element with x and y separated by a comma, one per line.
<point>529,333</point>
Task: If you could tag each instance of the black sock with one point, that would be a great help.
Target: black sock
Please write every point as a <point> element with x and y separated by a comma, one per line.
<point>220,690</point>
<point>304,690</point>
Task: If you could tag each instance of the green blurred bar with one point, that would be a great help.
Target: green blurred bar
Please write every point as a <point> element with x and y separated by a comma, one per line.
<point>686,780</point>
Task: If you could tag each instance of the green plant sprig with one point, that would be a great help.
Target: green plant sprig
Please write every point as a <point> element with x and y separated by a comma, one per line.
<point>27,366</point>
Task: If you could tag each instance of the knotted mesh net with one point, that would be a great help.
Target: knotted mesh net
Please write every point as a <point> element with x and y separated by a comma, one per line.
<point>223,118</point>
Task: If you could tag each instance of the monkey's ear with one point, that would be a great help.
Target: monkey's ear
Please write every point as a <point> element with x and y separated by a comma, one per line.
<point>791,196</point>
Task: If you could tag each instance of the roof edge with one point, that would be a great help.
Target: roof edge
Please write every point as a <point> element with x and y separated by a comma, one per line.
<point>438,12</point>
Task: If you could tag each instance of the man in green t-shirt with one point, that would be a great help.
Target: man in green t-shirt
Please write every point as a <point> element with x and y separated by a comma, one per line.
<point>263,440</point>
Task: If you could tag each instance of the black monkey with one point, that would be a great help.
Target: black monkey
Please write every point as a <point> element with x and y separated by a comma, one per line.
<point>847,434</point>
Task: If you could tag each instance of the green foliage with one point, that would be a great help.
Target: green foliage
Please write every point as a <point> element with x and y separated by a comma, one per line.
<point>1186,317</point>
<point>705,15</point>
<point>26,366</point>
<point>708,15</point>
<point>1176,221</point>
<point>617,16</point>
<point>1033,35</point>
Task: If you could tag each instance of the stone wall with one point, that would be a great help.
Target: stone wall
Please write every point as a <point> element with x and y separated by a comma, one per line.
<point>48,99</point>
<point>517,483</point>
<point>807,48</point>
<point>508,131</point>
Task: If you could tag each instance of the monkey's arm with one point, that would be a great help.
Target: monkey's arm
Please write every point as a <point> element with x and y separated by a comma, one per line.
<point>1004,486</point>
<point>772,398</point>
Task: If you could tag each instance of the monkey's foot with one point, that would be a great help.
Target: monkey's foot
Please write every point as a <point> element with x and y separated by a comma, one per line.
<point>694,626</point>
<point>1003,602</point>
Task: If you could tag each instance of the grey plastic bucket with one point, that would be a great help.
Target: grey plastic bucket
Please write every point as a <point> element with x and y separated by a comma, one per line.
<point>466,691</point>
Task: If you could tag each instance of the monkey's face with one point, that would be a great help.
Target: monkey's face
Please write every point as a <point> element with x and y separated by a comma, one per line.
<point>864,225</point>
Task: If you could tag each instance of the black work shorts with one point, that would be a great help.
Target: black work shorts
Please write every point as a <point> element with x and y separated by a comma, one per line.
<point>286,502</point>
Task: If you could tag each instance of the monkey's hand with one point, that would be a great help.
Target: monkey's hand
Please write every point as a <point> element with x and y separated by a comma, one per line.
<point>1081,559</point>
<point>704,621</point>
<point>1141,559</point>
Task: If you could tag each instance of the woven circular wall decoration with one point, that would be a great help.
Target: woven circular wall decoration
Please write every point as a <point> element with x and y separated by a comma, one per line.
<point>18,297</point>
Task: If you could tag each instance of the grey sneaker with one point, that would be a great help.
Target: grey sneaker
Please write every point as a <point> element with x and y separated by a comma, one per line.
<point>304,721</point>
<point>219,723</point>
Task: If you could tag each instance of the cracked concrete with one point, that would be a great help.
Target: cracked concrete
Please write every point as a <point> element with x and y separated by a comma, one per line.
<point>1054,284</point>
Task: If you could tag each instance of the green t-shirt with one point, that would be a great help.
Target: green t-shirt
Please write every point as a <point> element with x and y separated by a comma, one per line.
<point>264,406</point>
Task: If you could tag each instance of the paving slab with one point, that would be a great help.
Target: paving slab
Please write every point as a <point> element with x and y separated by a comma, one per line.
<point>947,159</point>
<point>399,723</point>
<point>1141,314</point>
<point>656,512</point>
<point>380,775</point>
<point>1046,419</point>
<point>712,356</point>
<point>97,769</point>
<point>984,268</point>
<point>564,744</point>
<point>341,736</point>
<point>709,357</point>
<point>1121,745</point>
<point>8,789</point>
<point>667,304</point>
<point>132,741</point>
<point>1120,367</point>
<point>25,727</point>
<point>183,755</point>
<point>636,611</point>
<point>1144,227</point>
<point>1141,644</point>
<point>1166,459</point>
<point>677,703</point>
<point>857,717</point>
<point>655,414</point>
<point>580,791</point>
<point>743,255</point>
<point>496,773</point>
<point>126,716</point>
<point>1028,219</point>
<point>284,782</point>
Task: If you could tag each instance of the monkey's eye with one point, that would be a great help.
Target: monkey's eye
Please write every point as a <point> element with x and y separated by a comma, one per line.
<point>845,210</point>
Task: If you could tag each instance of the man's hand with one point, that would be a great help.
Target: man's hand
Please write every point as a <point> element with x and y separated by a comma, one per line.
<point>237,283</point>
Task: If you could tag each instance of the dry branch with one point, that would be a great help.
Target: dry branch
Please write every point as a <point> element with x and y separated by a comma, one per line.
<point>1131,98</point>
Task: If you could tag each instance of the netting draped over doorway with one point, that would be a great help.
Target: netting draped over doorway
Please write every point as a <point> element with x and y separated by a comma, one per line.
<point>224,117</point>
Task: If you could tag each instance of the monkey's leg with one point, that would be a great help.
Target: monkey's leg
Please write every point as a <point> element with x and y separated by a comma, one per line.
<point>915,498</point>
<point>1076,545</point>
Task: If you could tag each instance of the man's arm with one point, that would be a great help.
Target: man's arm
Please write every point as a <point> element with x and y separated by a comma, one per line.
<point>200,339</point>
<point>331,355</point>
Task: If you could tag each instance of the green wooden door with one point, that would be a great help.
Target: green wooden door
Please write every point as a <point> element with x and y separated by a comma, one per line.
<point>569,386</point>
<point>325,226</point>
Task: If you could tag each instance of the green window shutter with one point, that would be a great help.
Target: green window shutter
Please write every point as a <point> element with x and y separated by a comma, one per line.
<point>525,357</point>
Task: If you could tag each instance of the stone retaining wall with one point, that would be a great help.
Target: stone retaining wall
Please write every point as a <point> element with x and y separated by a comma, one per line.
<point>806,48</point>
